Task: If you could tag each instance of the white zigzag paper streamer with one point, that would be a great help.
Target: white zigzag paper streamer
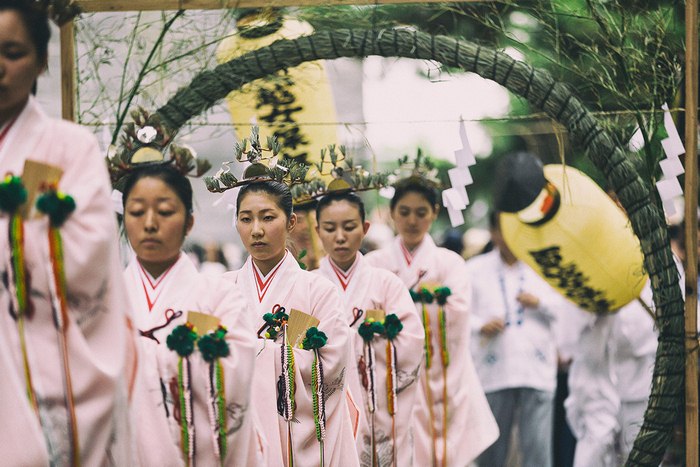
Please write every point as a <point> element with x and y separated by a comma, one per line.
<point>456,199</point>
<point>669,187</point>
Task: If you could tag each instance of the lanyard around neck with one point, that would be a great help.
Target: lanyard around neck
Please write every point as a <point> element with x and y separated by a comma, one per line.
<point>520,311</point>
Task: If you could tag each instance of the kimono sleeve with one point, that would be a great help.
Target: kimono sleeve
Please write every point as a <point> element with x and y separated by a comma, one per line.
<point>89,235</point>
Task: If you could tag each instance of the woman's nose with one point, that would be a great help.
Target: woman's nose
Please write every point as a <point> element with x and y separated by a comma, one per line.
<point>257,229</point>
<point>150,223</point>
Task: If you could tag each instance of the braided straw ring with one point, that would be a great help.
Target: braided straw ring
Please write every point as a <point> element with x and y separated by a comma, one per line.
<point>543,92</point>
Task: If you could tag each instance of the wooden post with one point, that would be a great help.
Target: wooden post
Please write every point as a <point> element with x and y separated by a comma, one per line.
<point>691,232</point>
<point>68,71</point>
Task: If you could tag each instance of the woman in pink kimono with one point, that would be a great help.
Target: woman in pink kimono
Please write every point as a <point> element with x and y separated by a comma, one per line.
<point>298,393</point>
<point>63,327</point>
<point>385,360</point>
<point>191,400</point>
<point>454,423</point>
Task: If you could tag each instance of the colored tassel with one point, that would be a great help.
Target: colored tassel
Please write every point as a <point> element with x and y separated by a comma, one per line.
<point>60,305</point>
<point>391,377</point>
<point>319,402</point>
<point>287,391</point>
<point>428,336</point>
<point>186,415</point>
<point>444,351</point>
<point>217,409</point>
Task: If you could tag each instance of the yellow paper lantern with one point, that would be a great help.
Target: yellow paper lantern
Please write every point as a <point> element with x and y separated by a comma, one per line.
<point>289,104</point>
<point>572,234</point>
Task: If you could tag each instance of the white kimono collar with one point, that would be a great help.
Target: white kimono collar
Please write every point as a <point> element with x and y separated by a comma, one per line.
<point>266,289</point>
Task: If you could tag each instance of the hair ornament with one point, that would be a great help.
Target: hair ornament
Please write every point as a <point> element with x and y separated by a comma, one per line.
<point>265,164</point>
<point>345,176</point>
<point>59,11</point>
<point>421,169</point>
<point>147,142</point>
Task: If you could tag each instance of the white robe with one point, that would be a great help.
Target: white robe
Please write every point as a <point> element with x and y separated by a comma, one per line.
<point>471,427</point>
<point>157,432</point>
<point>291,287</point>
<point>371,288</point>
<point>609,380</point>
<point>524,354</point>
<point>97,336</point>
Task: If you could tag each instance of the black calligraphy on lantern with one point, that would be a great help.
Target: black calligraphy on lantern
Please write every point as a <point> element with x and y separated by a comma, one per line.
<point>568,277</point>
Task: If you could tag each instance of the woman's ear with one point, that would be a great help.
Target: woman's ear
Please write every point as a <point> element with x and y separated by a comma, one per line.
<point>189,224</point>
<point>436,211</point>
<point>292,222</point>
<point>365,227</point>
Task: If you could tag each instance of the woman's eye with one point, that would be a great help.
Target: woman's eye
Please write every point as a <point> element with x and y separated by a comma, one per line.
<point>14,54</point>
<point>166,213</point>
<point>245,220</point>
<point>135,213</point>
<point>269,218</point>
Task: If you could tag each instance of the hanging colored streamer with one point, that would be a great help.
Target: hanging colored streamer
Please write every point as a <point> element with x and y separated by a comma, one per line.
<point>58,206</point>
<point>12,195</point>
<point>392,327</point>
<point>425,296</point>
<point>213,347</point>
<point>288,403</point>
<point>314,340</point>
<point>428,336</point>
<point>182,340</point>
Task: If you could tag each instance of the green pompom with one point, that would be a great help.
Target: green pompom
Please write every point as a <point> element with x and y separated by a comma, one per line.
<point>12,194</point>
<point>392,326</point>
<point>366,331</point>
<point>57,206</point>
<point>369,328</point>
<point>441,294</point>
<point>214,345</point>
<point>415,296</point>
<point>314,339</point>
<point>378,327</point>
<point>182,340</point>
<point>426,295</point>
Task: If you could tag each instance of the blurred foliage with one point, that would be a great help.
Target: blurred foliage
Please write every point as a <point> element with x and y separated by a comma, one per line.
<point>623,58</point>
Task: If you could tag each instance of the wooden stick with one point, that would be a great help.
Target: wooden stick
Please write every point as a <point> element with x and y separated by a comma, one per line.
<point>691,233</point>
<point>68,71</point>
<point>144,5</point>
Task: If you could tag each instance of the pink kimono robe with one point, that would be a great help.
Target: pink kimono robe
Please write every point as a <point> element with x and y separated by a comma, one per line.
<point>157,432</point>
<point>289,286</point>
<point>364,287</point>
<point>471,427</point>
<point>97,337</point>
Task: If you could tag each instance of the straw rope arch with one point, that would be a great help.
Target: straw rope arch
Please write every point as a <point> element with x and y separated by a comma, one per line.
<point>543,92</point>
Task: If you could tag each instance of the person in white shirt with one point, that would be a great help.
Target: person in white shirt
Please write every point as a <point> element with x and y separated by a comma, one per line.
<point>514,350</point>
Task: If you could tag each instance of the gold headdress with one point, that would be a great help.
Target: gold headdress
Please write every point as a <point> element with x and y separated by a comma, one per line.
<point>144,143</point>
<point>421,169</point>
<point>265,165</point>
<point>345,177</point>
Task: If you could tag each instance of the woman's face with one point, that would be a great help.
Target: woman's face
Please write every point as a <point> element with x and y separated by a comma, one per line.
<point>156,221</point>
<point>20,65</point>
<point>263,226</point>
<point>341,231</point>
<point>413,215</point>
